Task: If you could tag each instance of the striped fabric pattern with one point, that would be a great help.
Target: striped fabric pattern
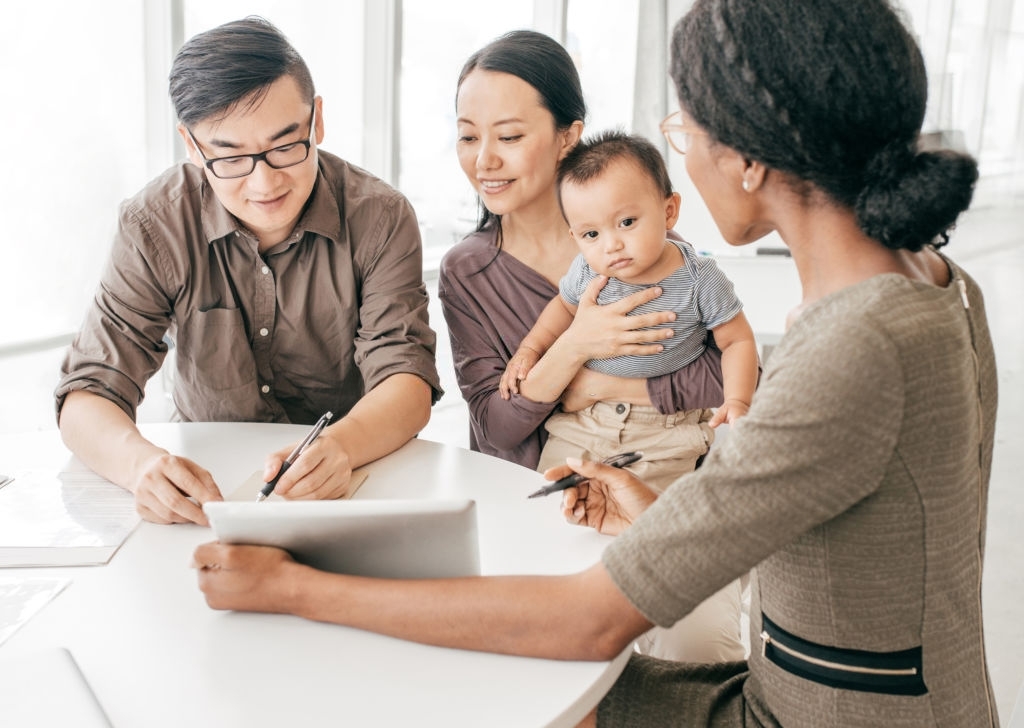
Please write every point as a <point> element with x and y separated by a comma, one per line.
<point>698,291</point>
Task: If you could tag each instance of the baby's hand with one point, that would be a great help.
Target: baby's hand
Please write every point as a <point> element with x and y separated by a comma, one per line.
<point>518,367</point>
<point>730,411</point>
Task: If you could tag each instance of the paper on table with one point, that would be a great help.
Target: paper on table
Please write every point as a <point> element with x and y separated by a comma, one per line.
<point>22,597</point>
<point>51,518</point>
<point>252,485</point>
<point>45,687</point>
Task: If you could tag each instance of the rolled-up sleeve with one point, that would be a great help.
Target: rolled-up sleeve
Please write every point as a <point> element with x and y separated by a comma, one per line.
<point>698,385</point>
<point>121,342</point>
<point>394,333</point>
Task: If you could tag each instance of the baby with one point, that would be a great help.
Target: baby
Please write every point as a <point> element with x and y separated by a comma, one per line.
<point>617,197</point>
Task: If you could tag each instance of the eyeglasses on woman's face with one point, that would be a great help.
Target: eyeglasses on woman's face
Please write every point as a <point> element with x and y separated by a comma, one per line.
<point>241,165</point>
<point>677,133</point>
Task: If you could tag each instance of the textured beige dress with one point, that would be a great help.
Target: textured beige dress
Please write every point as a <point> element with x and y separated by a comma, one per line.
<point>857,486</point>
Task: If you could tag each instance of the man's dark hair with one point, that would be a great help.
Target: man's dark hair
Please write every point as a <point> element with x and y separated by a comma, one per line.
<point>832,93</point>
<point>233,63</point>
<point>591,157</point>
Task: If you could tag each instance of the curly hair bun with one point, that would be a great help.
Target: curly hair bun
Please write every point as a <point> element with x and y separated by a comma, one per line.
<point>832,94</point>
<point>911,200</point>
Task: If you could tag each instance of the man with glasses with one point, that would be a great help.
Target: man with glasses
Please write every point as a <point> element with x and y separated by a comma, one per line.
<point>289,281</point>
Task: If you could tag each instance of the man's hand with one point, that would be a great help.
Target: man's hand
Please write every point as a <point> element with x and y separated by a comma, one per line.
<point>167,488</point>
<point>610,500</point>
<point>322,472</point>
<point>172,489</point>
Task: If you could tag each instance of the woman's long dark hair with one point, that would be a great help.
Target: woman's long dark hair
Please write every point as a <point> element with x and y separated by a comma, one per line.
<point>831,92</point>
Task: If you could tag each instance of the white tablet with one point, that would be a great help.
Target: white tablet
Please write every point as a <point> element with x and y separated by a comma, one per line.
<point>401,539</point>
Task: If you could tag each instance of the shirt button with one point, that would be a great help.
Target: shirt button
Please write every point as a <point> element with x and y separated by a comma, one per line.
<point>620,408</point>
<point>264,332</point>
<point>265,388</point>
<point>264,270</point>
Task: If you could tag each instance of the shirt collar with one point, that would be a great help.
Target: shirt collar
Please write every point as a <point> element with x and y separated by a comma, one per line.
<point>321,217</point>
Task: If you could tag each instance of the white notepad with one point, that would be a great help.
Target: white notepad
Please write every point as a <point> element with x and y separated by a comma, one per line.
<point>251,487</point>
<point>63,518</point>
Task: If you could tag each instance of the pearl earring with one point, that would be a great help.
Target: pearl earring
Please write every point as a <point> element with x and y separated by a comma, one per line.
<point>746,185</point>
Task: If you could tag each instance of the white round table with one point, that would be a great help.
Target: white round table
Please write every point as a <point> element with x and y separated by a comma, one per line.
<point>156,655</point>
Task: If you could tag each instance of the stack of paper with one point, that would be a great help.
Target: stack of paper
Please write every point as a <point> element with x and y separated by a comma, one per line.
<point>50,518</point>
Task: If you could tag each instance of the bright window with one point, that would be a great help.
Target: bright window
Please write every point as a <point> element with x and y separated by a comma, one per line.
<point>437,38</point>
<point>603,44</point>
<point>74,143</point>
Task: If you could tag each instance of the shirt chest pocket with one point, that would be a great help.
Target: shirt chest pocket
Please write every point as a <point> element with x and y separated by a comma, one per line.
<point>214,351</point>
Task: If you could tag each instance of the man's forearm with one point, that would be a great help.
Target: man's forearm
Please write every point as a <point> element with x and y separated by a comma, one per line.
<point>103,437</point>
<point>387,417</point>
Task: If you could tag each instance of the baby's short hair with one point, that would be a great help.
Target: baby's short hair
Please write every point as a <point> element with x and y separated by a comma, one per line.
<point>591,157</point>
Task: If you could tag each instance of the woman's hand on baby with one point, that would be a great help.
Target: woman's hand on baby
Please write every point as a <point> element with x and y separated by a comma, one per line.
<point>601,331</point>
<point>518,367</point>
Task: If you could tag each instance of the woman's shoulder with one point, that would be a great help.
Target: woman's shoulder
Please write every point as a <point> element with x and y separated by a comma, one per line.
<point>886,312</point>
<point>471,254</point>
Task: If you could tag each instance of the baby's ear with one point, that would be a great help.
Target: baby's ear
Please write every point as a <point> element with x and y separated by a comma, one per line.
<point>672,206</point>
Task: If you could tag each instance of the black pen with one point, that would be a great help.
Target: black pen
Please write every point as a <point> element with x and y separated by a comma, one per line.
<point>569,481</point>
<point>267,489</point>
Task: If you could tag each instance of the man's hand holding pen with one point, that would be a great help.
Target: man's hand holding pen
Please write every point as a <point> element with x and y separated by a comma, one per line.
<point>321,472</point>
<point>318,467</point>
<point>608,501</point>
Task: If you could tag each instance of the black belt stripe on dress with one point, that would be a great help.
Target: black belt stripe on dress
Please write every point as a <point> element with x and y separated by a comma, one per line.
<point>893,673</point>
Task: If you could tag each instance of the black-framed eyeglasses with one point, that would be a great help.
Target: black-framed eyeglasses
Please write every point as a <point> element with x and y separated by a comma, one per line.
<point>241,165</point>
<point>677,133</point>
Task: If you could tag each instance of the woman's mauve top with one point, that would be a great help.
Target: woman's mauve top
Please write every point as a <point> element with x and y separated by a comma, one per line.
<point>490,301</point>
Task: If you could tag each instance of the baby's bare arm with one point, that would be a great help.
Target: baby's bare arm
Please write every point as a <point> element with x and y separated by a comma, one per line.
<point>739,368</point>
<point>552,323</point>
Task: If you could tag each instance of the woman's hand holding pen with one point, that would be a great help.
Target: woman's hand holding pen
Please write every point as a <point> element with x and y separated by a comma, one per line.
<point>322,472</point>
<point>610,500</point>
